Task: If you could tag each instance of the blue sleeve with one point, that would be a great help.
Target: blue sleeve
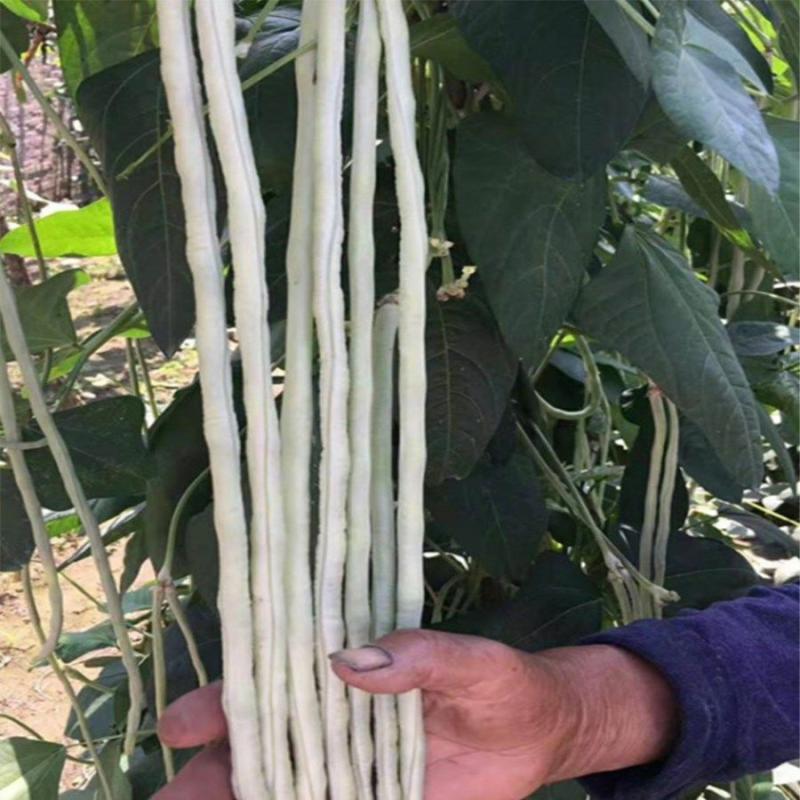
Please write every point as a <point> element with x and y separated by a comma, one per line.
<point>734,668</point>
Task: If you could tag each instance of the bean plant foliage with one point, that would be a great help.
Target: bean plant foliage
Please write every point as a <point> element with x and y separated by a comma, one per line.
<point>613,206</point>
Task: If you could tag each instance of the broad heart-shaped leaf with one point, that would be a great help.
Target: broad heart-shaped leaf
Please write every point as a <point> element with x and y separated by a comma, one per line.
<point>96,34</point>
<point>648,305</point>
<point>530,234</point>
<point>574,98</point>
<point>124,112</point>
<point>16,537</point>
<point>30,769</point>
<point>704,97</point>
<point>776,220</point>
<point>497,514</point>
<point>82,233</point>
<point>272,104</point>
<point>44,312</point>
<point>105,441</point>
<point>470,374</point>
<point>556,606</point>
<point>440,39</point>
<point>655,136</point>
<point>713,29</point>
<point>16,32</point>
<point>630,40</point>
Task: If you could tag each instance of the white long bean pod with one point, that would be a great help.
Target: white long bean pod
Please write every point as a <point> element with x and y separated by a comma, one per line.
<point>16,341</point>
<point>650,517</point>
<point>247,223</point>
<point>361,264</point>
<point>411,470</point>
<point>297,415</point>
<point>179,72</point>
<point>664,527</point>
<point>33,509</point>
<point>384,547</point>
<point>329,317</point>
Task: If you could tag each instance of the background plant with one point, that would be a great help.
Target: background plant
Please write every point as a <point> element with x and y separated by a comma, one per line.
<point>612,391</point>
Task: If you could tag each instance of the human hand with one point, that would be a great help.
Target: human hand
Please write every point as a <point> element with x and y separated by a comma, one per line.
<point>499,723</point>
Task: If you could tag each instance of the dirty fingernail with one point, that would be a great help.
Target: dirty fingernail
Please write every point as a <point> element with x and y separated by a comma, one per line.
<point>363,659</point>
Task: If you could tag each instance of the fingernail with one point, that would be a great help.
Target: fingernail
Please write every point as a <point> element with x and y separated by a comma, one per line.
<point>363,659</point>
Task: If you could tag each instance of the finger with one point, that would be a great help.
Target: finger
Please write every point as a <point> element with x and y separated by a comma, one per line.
<point>194,719</point>
<point>206,775</point>
<point>415,659</point>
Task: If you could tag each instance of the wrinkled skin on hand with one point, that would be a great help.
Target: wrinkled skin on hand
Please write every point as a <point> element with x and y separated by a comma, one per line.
<point>499,723</point>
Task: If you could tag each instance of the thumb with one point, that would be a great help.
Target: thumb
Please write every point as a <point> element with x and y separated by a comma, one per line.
<point>417,659</point>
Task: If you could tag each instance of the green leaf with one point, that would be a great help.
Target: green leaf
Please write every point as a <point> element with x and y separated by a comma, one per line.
<point>572,94</point>
<point>16,537</point>
<point>202,554</point>
<point>556,606</point>
<point>762,338</point>
<point>16,32</point>
<point>44,312</point>
<point>99,706</point>
<point>31,10</point>
<point>30,769</point>
<point>96,34</point>
<point>124,112</point>
<point>272,104</point>
<point>72,646</point>
<point>669,193</point>
<point>470,373</point>
<point>105,441</point>
<point>655,136</point>
<point>705,571</point>
<point>530,234</point>
<point>497,514</point>
<point>440,39</point>
<point>83,233</point>
<point>776,219</point>
<point>704,188</point>
<point>704,97</point>
<point>648,305</point>
<point>710,28</point>
<point>568,790</point>
<point>630,40</point>
<point>789,33</point>
<point>110,758</point>
<point>774,438</point>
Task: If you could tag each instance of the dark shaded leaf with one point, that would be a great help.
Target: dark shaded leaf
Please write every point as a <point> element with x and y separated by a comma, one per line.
<point>72,646</point>
<point>568,790</point>
<point>16,32</point>
<point>630,40</point>
<point>30,769</point>
<point>762,338</point>
<point>701,462</point>
<point>789,33</point>
<point>648,305</point>
<point>669,193</point>
<point>574,98</point>
<point>776,220</point>
<point>763,529</point>
<point>96,34</point>
<point>705,571</point>
<point>703,96</point>
<point>124,111</point>
<point>470,373</point>
<point>135,556</point>
<point>107,448</point>
<point>774,438</point>
<point>44,312</point>
<point>655,136</point>
<point>497,514</point>
<point>530,234</point>
<point>16,537</point>
<point>98,706</point>
<point>440,39</point>
<point>202,554</point>
<point>556,606</point>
